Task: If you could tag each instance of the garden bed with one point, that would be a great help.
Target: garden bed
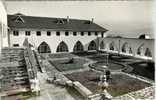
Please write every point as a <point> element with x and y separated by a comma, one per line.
<point>63,65</point>
<point>119,85</point>
<point>61,55</point>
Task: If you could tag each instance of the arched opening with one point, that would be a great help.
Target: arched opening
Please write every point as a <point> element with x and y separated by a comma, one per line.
<point>102,45</point>
<point>111,46</point>
<point>78,47</point>
<point>44,48</point>
<point>62,47</point>
<point>148,52</point>
<point>140,50</point>
<point>124,47</point>
<point>92,45</point>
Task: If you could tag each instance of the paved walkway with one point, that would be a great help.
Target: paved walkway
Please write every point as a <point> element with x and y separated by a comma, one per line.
<point>51,91</point>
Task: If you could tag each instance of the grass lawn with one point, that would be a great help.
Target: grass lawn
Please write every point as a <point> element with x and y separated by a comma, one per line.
<point>125,59</point>
<point>142,69</point>
<point>120,84</point>
<point>63,65</point>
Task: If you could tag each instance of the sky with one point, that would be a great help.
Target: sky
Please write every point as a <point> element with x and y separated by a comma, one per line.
<point>125,18</point>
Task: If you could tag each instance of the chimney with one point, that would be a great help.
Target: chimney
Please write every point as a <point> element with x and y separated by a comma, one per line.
<point>92,20</point>
<point>67,19</point>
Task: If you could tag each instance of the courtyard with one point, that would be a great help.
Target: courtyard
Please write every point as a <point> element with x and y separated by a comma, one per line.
<point>121,67</point>
<point>58,50</point>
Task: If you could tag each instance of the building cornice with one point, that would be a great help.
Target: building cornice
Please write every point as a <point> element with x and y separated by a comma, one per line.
<point>34,29</point>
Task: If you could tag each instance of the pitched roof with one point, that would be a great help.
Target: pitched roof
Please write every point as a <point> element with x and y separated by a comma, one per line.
<point>57,24</point>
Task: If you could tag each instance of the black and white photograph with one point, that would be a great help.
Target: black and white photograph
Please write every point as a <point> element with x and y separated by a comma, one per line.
<point>77,49</point>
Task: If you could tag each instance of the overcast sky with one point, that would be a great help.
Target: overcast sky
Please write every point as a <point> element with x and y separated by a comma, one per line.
<point>128,18</point>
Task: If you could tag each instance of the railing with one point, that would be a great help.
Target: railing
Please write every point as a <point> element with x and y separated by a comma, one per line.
<point>30,63</point>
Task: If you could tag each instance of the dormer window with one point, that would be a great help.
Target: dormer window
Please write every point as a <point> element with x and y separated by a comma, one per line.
<point>19,19</point>
<point>60,21</point>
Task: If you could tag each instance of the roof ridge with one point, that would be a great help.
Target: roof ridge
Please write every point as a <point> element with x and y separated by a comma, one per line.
<point>48,17</point>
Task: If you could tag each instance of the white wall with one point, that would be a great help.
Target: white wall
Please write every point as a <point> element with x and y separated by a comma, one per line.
<point>53,40</point>
<point>133,43</point>
<point>3,26</point>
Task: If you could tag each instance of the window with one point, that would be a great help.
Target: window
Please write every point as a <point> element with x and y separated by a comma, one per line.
<point>74,33</point>
<point>66,33</point>
<point>27,33</point>
<point>58,33</point>
<point>89,33</point>
<point>96,33</point>
<point>38,33</point>
<point>15,45</point>
<point>102,34</point>
<point>82,33</point>
<point>48,33</point>
<point>15,33</point>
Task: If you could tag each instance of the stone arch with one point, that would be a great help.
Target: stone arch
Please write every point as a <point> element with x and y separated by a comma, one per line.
<point>140,49</point>
<point>124,47</point>
<point>44,48</point>
<point>112,46</point>
<point>62,47</point>
<point>78,47</point>
<point>92,46</point>
<point>148,52</point>
<point>102,45</point>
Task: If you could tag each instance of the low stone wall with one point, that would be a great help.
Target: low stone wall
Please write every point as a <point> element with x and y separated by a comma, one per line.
<point>82,90</point>
<point>87,94</point>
